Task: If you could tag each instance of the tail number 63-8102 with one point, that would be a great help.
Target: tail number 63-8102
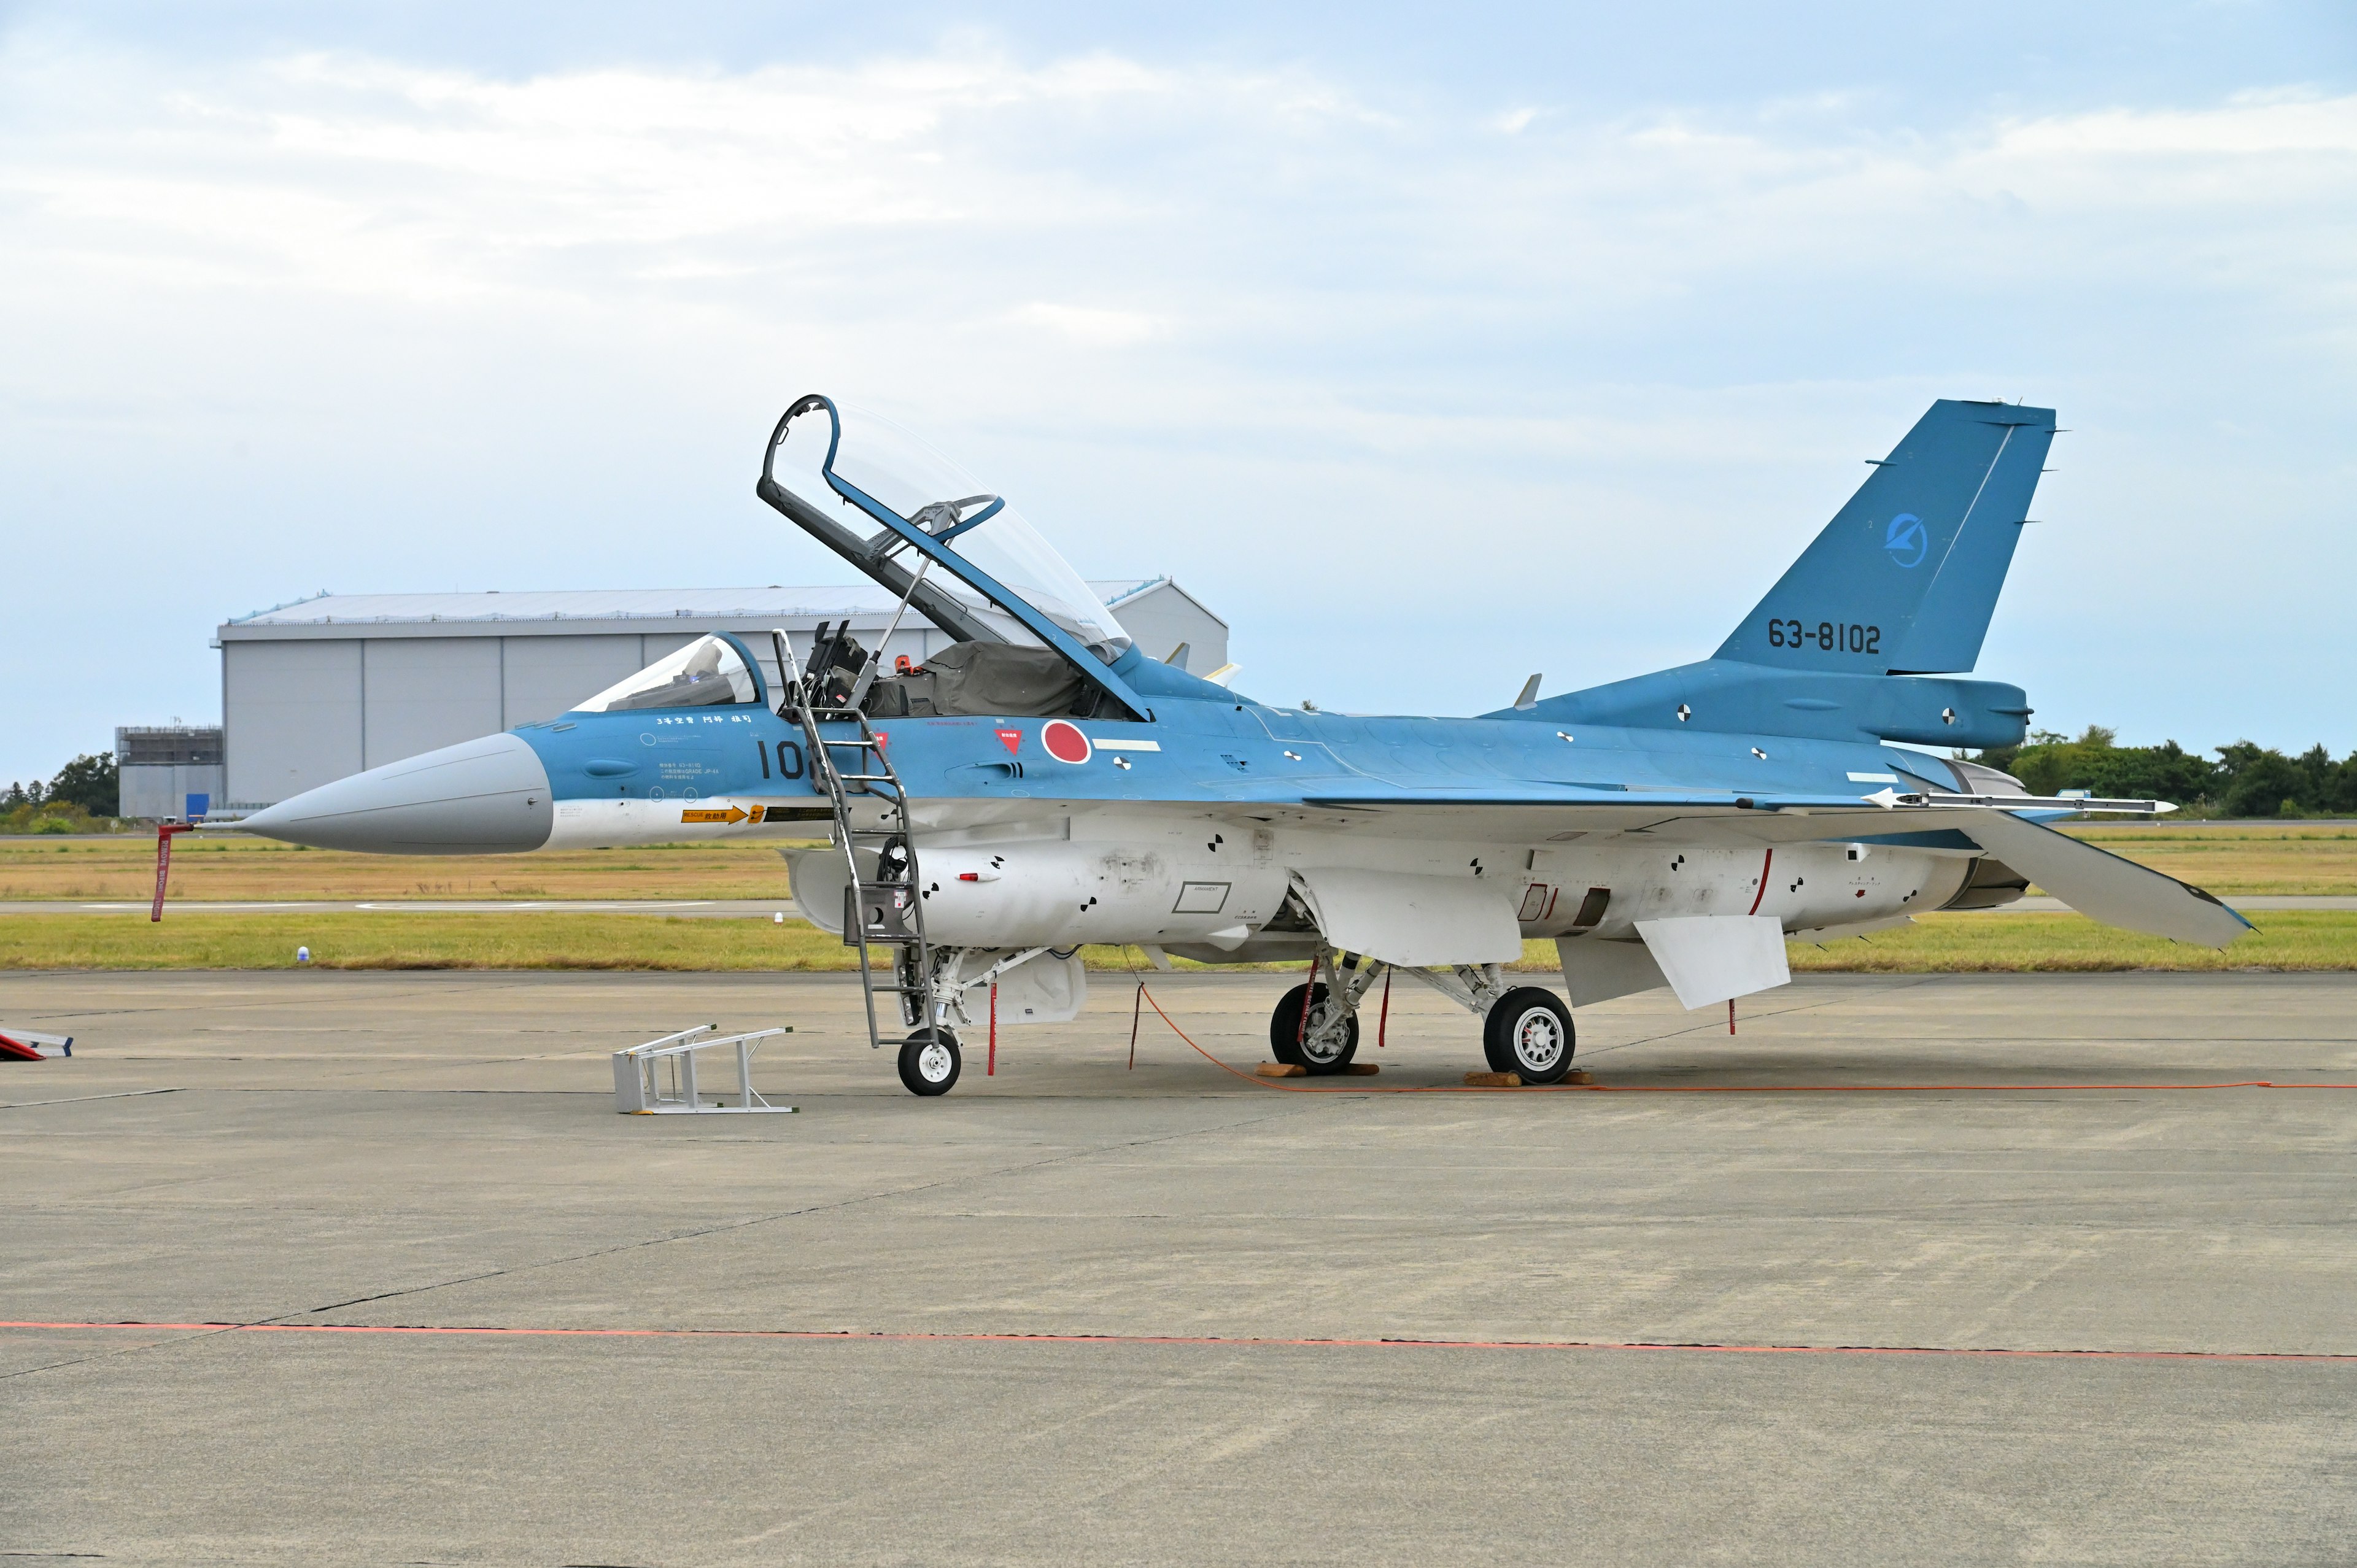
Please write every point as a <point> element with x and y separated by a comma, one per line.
<point>1831,636</point>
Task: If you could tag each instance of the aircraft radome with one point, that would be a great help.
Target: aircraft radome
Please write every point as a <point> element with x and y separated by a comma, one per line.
<point>1043,783</point>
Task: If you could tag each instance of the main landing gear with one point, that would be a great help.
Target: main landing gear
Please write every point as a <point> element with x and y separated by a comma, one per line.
<point>1324,1042</point>
<point>1525,1029</point>
<point>1528,1033</point>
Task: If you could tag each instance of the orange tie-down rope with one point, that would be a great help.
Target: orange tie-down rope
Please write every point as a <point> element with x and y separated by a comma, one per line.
<point>1284,1088</point>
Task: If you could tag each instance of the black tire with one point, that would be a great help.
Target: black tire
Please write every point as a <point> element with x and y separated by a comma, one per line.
<point>1529,1034</point>
<point>922,1073</point>
<point>1285,1035</point>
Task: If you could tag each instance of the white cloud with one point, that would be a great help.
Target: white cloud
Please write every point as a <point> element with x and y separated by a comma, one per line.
<point>1098,329</point>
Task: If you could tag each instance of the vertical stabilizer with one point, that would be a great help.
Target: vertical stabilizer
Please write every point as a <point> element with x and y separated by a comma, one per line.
<point>1904,579</point>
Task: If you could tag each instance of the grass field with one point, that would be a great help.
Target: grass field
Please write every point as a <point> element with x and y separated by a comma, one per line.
<point>2227,858</point>
<point>244,868</point>
<point>1935,944</point>
<point>2240,857</point>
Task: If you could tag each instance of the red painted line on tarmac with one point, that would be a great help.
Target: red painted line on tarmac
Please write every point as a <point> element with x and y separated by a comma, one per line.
<point>1910,1088</point>
<point>1241,1342</point>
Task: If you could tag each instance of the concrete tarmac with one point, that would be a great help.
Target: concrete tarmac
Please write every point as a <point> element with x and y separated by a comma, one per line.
<point>1078,1312</point>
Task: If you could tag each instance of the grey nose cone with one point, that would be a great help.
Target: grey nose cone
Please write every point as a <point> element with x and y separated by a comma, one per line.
<point>485,797</point>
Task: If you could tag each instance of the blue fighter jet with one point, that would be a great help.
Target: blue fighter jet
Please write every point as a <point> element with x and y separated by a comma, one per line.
<point>1042,782</point>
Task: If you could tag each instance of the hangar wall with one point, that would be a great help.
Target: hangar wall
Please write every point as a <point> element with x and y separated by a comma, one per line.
<point>329,686</point>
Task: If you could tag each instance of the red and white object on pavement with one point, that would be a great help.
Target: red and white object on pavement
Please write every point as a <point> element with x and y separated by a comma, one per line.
<point>25,1046</point>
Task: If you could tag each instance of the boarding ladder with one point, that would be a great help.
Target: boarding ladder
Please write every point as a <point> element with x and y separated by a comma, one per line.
<point>883,904</point>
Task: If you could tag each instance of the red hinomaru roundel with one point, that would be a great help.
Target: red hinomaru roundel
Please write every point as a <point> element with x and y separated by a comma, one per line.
<point>1064,741</point>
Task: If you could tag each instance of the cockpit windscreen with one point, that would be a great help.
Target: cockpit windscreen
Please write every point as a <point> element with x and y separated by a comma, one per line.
<point>707,672</point>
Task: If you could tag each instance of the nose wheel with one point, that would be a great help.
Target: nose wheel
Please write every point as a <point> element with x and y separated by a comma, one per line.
<point>930,1066</point>
<point>1528,1033</point>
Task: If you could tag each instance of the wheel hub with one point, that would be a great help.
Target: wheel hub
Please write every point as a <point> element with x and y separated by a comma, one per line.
<point>934,1062</point>
<point>1328,1035</point>
<point>1538,1039</point>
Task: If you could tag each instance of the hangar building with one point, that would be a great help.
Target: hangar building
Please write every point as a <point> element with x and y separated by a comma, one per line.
<point>328,686</point>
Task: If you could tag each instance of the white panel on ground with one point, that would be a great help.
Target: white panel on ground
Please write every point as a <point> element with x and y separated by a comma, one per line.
<point>1715,958</point>
<point>1415,920</point>
<point>2098,883</point>
<point>1596,970</point>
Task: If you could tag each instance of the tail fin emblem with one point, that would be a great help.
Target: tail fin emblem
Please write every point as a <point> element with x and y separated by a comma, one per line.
<point>1906,540</point>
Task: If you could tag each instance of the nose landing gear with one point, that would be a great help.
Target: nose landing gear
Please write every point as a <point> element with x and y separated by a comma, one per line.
<point>930,1066</point>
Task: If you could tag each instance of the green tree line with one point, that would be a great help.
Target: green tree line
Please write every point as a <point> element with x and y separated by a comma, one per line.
<point>2246,781</point>
<point>85,791</point>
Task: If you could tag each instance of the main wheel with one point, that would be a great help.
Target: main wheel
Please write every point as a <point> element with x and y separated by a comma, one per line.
<point>1529,1034</point>
<point>930,1067</point>
<point>1324,1047</point>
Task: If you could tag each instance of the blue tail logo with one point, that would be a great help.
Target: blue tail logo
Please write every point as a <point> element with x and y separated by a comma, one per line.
<point>1906,540</point>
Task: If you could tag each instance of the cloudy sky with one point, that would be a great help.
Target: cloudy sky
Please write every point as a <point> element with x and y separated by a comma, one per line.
<point>1430,346</point>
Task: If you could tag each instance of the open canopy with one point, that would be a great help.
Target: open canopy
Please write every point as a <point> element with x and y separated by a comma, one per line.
<point>887,503</point>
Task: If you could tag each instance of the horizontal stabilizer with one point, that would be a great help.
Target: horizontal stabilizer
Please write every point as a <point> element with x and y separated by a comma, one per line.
<point>2097,883</point>
<point>1716,958</point>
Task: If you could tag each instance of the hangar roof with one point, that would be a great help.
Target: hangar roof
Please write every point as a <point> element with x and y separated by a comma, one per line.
<point>495,613</point>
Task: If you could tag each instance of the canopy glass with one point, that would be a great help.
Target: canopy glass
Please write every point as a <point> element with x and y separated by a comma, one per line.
<point>848,464</point>
<point>711,672</point>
